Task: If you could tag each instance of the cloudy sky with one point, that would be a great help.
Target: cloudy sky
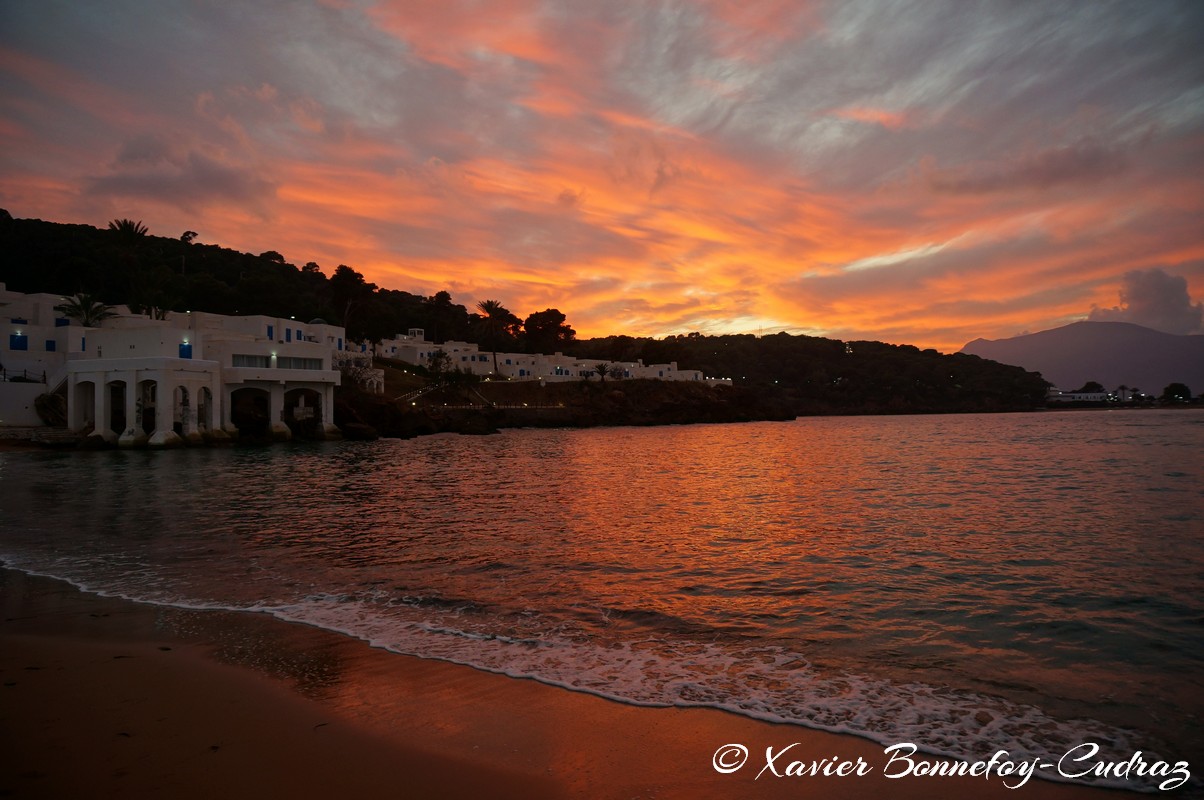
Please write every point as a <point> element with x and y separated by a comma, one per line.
<point>916,172</point>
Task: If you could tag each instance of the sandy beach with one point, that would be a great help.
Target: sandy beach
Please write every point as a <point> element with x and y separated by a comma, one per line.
<point>108,698</point>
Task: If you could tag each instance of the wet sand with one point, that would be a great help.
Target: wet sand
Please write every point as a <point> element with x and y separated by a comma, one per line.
<point>108,698</point>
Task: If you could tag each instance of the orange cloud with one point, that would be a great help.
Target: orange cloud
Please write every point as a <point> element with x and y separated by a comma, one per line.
<point>718,166</point>
<point>876,116</point>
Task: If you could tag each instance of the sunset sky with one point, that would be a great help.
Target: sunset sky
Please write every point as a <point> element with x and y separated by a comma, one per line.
<point>915,172</point>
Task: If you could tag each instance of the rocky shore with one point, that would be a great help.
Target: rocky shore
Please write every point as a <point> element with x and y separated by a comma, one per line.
<point>568,405</point>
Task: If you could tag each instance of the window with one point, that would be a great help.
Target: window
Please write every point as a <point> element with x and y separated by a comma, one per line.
<point>61,322</point>
<point>241,360</point>
<point>271,331</point>
<point>292,362</point>
<point>185,350</point>
<point>19,320</point>
<point>340,342</point>
<point>51,345</point>
<point>507,362</point>
<point>18,341</point>
<point>288,334</point>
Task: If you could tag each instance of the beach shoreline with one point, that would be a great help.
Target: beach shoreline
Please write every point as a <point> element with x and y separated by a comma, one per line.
<point>107,697</point>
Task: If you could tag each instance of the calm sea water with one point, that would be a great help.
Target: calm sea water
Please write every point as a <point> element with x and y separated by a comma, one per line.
<point>970,583</point>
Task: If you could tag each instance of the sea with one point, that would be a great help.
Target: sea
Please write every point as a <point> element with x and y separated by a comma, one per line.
<point>967,583</point>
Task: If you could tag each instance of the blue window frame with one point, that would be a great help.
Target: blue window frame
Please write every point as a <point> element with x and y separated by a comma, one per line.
<point>271,331</point>
<point>341,343</point>
<point>51,345</point>
<point>18,341</point>
<point>185,350</point>
<point>61,322</point>
<point>288,334</point>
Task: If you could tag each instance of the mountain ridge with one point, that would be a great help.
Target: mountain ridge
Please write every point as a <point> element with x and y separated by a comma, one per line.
<point>1110,353</point>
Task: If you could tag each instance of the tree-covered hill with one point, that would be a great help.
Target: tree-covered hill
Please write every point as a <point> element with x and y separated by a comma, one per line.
<point>828,376</point>
<point>125,264</point>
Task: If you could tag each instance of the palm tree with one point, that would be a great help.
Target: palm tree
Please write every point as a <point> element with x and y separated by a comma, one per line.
<point>87,310</point>
<point>128,228</point>
<point>496,321</point>
<point>605,369</point>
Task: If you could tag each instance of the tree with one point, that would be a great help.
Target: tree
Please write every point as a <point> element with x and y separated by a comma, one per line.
<point>547,332</point>
<point>87,310</point>
<point>443,320</point>
<point>496,325</point>
<point>438,365</point>
<point>605,369</point>
<point>349,291</point>
<point>1176,393</point>
<point>128,230</point>
<point>187,236</point>
<point>1090,387</point>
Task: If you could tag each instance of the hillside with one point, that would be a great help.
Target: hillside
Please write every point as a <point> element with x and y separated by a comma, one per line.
<point>1110,353</point>
<point>790,375</point>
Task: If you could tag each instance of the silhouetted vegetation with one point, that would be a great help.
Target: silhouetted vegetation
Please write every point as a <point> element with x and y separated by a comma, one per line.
<point>824,376</point>
<point>1176,393</point>
<point>125,264</point>
<point>790,374</point>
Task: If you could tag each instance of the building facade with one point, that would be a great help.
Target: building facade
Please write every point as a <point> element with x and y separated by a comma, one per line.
<point>189,377</point>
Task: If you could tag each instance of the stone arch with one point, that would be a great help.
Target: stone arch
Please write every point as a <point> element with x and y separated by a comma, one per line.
<point>250,411</point>
<point>117,390</point>
<point>182,420</point>
<point>204,410</point>
<point>303,412</point>
<point>146,407</point>
<point>83,406</point>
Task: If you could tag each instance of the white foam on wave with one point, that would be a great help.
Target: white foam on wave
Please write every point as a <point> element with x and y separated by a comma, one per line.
<point>764,682</point>
<point>761,681</point>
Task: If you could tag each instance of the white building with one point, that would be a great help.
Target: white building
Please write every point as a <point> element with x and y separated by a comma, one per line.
<point>413,348</point>
<point>1058,396</point>
<point>191,376</point>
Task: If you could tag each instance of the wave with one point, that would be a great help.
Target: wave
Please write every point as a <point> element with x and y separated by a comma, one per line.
<point>757,680</point>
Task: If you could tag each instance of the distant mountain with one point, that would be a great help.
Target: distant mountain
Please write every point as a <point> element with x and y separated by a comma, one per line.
<point>1110,353</point>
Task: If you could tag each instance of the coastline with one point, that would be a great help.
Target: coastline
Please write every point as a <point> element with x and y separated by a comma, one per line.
<point>103,696</point>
